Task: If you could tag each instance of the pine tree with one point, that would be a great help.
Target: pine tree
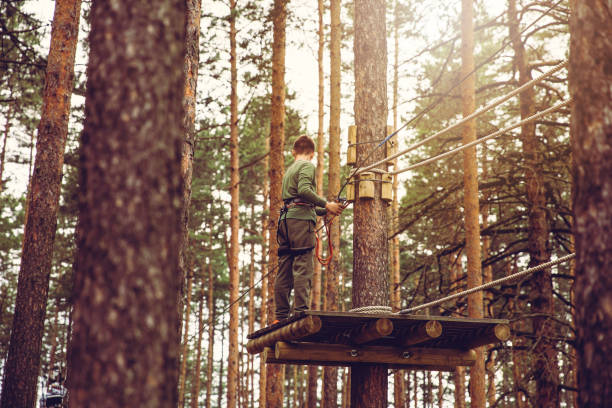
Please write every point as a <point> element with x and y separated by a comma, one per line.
<point>471,204</point>
<point>370,246</point>
<point>126,339</point>
<point>275,377</point>
<point>311,399</point>
<point>591,133</point>
<point>23,360</point>
<point>232,365</point>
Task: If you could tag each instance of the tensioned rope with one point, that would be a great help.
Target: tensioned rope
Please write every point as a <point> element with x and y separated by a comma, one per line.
<point>485,138</point>
<point>508,278</point>
<point>473,115</point>
<point>431,106</point>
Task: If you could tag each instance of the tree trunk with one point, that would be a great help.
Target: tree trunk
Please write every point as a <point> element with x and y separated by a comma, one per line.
<point>546,371</point>
<point>234,279</point>
<point>265,218</point>
<point>470,180</point>
<point>251,318</point>
<point>459,374</point>
<point>211,335</point>
<point>275,372</point>
<point>185,345</point>
<point>23,361</point>
<point>311,396</point>
<point>222,359</point>
<point>195,393</point>
<point>330,382</point>
<point>370,264</point>
<point>591,133</point>
<point>125,348</point>
<point>53,338</point>
<point>190,69</point>
<point>488,295</point>
<point>7,128</point>
<point>398,377</point>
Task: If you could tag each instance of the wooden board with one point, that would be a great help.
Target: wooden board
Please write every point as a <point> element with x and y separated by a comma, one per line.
<point>343,328</point>
<point>339,354</point>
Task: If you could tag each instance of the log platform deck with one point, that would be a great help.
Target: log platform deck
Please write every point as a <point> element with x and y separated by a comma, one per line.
<point>398,341</point>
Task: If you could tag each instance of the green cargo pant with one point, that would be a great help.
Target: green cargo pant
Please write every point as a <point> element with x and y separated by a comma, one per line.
<point>296,240</point>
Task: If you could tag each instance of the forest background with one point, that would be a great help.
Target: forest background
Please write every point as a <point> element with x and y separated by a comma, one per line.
<point>428,225</point>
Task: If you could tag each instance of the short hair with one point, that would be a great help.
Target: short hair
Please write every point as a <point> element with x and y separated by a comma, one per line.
<point>303,145</point>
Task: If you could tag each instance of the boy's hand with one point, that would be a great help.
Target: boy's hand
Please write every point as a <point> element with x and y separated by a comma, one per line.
<point>334,208</point>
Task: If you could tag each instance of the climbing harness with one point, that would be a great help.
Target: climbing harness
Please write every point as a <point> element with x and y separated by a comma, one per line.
<point>287,205</point>
<point>327,222</point>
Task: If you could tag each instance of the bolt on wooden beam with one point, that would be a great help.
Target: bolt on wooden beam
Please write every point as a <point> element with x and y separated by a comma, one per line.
<point>341,355</point>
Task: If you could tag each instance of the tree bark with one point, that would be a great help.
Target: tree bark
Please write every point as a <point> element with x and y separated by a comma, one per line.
<point>125,348</point>
<point>251,318</point>
<point>195,393</point>
<point>265,218</point>
<point>234,278</point>
<point>330,377</point>
<point>459,374</point>
<point>546,371</point>
<point>190,69</point>
<point>591,140</point>
<point>185,345</point>
<point>275,377</point>
<point>7,128</point>
<point>370,245</point>
<point>398,377</point>
<point>211,334</point>
<point>23,360</point>
<point>470,184</point>
<point>311,399</point>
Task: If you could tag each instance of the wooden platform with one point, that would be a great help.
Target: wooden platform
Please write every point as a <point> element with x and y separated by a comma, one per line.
<point>403,341</point>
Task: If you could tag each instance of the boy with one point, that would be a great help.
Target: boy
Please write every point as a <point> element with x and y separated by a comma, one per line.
<point>296,229</point>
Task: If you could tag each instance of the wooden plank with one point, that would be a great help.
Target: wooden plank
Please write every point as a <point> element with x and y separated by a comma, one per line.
<point>422,333</point>
<point>315,353</point>
<point>294,331</point>
<point>492,334</point>
<point>373,330</point>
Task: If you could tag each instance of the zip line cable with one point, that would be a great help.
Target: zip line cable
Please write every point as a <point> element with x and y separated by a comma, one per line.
<point>431,106</point>
<point>485,138</point>
<point>508,278</point>
<point>473,115</point>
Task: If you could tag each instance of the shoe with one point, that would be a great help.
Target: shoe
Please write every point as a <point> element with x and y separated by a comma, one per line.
<point>275,322</point>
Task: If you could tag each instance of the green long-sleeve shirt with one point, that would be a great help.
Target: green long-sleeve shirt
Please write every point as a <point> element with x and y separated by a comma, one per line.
<point>299,182</point>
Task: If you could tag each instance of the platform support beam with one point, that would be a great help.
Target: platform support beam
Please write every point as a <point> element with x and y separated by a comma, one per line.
<point>373,330</point>
<point>342,355</point>
<point>493,334</point>
<point>422,333</point>
<point>293,331</point>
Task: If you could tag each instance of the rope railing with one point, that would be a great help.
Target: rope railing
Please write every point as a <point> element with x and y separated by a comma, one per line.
<point>473,115</point>
<point>489,285</point>
<point>485,138</point>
